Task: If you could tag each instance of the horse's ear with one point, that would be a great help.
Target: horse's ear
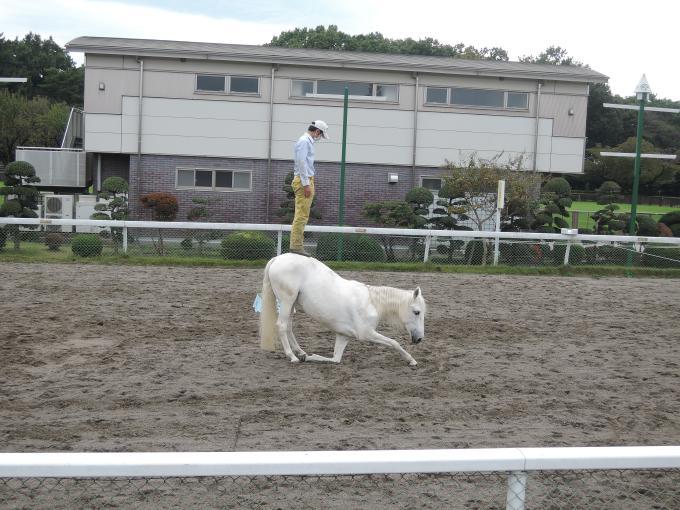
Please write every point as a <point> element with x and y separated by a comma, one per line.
<point>416,293</point>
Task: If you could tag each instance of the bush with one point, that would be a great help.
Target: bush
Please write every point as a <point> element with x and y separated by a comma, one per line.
<point>577,254</point>
<point>248,246</point>
<point>356,247</point>
<point>3,238</point>
<point>518,254</point>
<point>54,240</point>
<point>87,245</point>
<point>187,244</point>
<point>474,253</point>
<point>661,257</point>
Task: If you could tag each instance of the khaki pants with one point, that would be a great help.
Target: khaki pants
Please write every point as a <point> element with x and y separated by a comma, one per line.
<point>302,208</point>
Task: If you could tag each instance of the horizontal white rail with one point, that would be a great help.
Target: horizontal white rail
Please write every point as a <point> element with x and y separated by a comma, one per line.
<point>271,227</point>
<point>183,464</point>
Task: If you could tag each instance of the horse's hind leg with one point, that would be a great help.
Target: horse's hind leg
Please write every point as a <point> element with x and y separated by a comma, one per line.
<point>293,342</point>
<point>340,344</point>
<point>282,324</point>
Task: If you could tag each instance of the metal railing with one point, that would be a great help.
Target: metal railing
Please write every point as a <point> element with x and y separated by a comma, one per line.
<point>56,167</point>
<point>512,478</point>
<point>263,241</point>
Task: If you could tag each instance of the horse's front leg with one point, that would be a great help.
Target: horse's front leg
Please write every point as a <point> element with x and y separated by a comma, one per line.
<point>293,341</point>
<point>374,336</point>
<point>340,344</point>
<point>282,324</point>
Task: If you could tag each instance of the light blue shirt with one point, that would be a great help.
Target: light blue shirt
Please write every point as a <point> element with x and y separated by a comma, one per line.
<point>304,158</point>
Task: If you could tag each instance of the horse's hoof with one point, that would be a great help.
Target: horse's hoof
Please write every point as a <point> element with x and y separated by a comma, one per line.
<point>295,360</point>
<point>303,357</point>
<point>412,363</point>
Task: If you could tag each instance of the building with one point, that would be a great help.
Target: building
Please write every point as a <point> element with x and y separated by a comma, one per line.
<point>220,120</point>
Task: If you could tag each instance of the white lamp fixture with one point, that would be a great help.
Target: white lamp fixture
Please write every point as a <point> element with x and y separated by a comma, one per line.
<point>102,85</point>
<point>392,178</point>
<point>643,89</point>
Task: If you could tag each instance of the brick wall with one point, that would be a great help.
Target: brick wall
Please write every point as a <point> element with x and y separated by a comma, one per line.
<point>363,183</point>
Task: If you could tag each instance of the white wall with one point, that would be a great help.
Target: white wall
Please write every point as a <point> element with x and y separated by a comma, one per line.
<point>240,129</point>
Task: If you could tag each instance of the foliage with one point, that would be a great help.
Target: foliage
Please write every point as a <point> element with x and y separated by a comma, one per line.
<point>200,212</point>
<point>50,70</point>
<point>661,257</point>
<point>22,199</point>
<point>607,221</point>
<point>248,246</point>
<point>553,55</point>
<point>672,221</point>
<point>330,38</point>
<point>390,213</point>
<point>163,208</point>
<point>3,238</point>
<point>87,245</point>
<point>287,206</point>
<point>357,247</point>
<point>54,240</point>
<point>115,192</point>
<point>550,210</point>
<point>29,122</point>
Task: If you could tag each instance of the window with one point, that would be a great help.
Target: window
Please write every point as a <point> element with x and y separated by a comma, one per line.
<point>333,89</point>
<point>483,98</point>
<point>213,179</point>
<point>228,84</point>
<point>432,183</point>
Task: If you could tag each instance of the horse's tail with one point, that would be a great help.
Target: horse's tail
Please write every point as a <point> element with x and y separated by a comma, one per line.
<point>268,314</point>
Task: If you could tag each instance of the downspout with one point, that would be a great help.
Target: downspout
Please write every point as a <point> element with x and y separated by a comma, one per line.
<point>139,127</point>
<point>415,130</point>
<point>269,148</point>
<point>538,107</point>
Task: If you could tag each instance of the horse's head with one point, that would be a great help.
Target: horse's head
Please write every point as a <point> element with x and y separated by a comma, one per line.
<point>414,318</point>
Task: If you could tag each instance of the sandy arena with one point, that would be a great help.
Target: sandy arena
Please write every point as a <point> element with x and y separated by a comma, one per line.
<point>114,358</point>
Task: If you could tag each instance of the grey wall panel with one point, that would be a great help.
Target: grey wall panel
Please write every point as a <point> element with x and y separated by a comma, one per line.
<point>557,107</point>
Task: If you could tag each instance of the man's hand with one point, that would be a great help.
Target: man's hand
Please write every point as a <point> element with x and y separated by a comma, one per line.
<point>308,191</point>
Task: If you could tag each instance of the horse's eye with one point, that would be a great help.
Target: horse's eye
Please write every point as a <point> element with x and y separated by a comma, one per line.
<point>417,312</point>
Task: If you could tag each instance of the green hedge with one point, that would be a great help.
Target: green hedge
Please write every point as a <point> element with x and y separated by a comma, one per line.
<point>661,257</point>
<point>87,245</point>
<point>248,246</point>
<point>356,247</point>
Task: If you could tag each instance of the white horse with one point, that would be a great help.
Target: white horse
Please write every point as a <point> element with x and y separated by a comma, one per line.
<point>349,308</point>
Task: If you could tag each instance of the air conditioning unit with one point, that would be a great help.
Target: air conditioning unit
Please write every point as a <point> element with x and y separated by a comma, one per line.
<point>58,207</point>
<point>85,208</point>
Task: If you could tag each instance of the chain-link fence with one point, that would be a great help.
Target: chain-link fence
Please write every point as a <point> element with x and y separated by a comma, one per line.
<point>549,490</point>
<point>64,239</point>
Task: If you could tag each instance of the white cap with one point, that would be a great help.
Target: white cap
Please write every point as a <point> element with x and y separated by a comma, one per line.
<point>322,126</point>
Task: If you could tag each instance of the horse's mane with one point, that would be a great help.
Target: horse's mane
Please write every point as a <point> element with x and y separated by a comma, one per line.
<point>389,302</point>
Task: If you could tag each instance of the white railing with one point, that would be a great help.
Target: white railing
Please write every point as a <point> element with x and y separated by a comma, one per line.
<point>56,167</point>
<point>517,463</point>
<point>569,236</point>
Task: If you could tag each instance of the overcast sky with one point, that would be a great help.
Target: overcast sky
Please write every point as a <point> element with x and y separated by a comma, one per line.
<point>619,38</point>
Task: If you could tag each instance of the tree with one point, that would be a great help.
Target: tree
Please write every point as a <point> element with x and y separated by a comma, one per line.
<point>390,213</point>
<point>200,212</point>
<point>163,208</point>
<point>30,122</point>
<point>49,68</point>
<point>22,199</point>
<point>552,206</point>
<point>553,55</point>
<point>115,192</point>
<point>606,219</point>
<point>330,38</point>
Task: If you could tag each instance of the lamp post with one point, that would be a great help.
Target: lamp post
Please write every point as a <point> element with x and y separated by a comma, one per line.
<point>642,92</point>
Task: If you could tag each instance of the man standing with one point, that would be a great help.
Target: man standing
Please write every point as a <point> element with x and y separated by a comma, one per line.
<point>303,183</point>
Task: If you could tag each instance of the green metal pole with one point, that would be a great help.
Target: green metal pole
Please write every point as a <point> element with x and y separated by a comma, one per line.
<point>636,174</point>
<point>341,210</point>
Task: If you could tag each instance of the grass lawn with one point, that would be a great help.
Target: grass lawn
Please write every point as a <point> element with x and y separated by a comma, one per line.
<point>585,210</point>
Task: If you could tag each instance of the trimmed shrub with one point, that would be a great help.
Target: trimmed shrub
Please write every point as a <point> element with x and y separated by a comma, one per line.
<point>87,245</point>
<point>3,238</point>
<point>474,253</point>
<point>54,240</point>
<point>518,254</point>
<point>356,247</point>
<point>187,244</point>
<point>577,254</point>
<point>248,246</point>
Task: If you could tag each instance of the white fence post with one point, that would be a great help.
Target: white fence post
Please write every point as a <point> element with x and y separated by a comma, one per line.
<point>427,248</point>
<point>517,487</point>
<point>279,239</point>
<point>566,253</point>
<point>125,241</point>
